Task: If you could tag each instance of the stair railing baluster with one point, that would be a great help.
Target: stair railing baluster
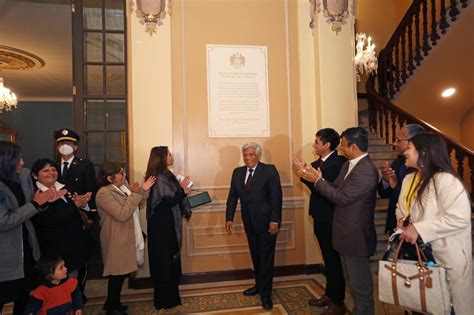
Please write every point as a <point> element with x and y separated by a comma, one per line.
<point>386,123</point>
<point>434,27</point>
<point>418,56</point>
<point>411,65</point>
<point>380,125</point>
<point>398,83</point>
<point>372,113</point>
<point>426,35</point>
<point>404,75</point>
<point>392,73</point>
<point>464,3</point>
<point>443,24</point>
<point>394,117</point>
<point>453,11</point>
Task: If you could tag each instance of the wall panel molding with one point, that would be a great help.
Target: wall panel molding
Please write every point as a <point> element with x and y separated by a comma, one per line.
<point>214,240</point>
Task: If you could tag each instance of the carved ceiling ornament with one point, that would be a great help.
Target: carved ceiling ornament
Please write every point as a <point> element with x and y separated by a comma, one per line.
<point>335,11</point>
<point>16,59</point>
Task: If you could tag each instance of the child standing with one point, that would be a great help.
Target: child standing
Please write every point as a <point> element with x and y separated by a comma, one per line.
<point>57,294</point>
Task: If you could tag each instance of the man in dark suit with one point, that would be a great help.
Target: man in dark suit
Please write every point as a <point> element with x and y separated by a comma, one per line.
<point>354,194</point>
<point>392,175</point>
<point>321,210</point>
<point>78,175</point>
<point>258,187</point>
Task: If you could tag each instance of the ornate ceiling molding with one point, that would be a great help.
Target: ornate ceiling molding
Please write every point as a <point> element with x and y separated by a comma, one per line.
<point>17,59</point>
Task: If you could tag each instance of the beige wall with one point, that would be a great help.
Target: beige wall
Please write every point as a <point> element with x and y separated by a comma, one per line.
<point>311,86</point>
<point>210,161</point>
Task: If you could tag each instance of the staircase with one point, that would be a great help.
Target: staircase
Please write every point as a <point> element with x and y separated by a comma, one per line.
<point>412,41</point>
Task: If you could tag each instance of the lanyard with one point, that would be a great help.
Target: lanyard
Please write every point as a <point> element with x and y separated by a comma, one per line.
<point>411,191</point>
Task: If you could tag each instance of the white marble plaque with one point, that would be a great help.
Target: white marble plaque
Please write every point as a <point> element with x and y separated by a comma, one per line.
<point>237,84</point>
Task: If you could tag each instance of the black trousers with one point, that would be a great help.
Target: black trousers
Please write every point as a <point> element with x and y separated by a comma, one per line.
<point>335,284</point>
<point>262,249</point>
<point>114,288</point>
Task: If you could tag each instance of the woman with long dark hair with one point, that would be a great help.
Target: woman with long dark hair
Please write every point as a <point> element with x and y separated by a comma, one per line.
<point>60,228</point>
<point>19,247</point>
<point>166,206</point>
<point>121,238</point>
<point>440,213</point>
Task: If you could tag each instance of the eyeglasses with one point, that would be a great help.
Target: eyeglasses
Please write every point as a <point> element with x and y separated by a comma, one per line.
<point>400,140</point>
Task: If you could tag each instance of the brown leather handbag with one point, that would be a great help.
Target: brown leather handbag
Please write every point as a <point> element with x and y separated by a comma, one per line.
<point>414,285</point>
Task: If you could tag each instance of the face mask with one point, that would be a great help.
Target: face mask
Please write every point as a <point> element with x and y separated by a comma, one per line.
<point>66,149</point>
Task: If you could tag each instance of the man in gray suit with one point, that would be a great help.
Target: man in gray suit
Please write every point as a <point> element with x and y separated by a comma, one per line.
<point>354,194</point>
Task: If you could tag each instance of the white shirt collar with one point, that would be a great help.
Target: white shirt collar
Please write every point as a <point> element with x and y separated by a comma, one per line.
<point>253,168</point>
<point>326,157</point>
<point>68,161</point>
<point>57,185</point>
<point>356,160</point>
<point>42,187</point>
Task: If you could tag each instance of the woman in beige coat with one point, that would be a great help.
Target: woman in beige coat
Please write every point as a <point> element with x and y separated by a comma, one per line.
<point>121,237</point>
<point>440,213</point>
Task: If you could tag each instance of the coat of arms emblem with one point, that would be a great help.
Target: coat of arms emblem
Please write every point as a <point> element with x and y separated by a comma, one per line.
<point>237,60</point>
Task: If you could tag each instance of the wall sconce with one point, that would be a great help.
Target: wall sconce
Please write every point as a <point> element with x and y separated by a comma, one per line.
<point>335,12</point>
<point>365,60</point>
<point>151,12</point>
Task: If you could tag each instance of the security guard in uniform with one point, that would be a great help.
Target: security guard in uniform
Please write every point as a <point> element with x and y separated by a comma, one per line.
<point>79,177</point>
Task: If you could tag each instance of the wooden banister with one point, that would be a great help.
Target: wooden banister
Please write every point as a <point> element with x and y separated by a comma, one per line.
<point>386,119</point>
<point>419,30</point>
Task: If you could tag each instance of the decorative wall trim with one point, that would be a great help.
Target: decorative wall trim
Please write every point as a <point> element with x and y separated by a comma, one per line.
<point>197,243</point>
<point>229,275</point>
<point>220,205</point>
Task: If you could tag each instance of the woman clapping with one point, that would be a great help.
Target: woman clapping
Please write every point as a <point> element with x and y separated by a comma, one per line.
<point>121,237</point>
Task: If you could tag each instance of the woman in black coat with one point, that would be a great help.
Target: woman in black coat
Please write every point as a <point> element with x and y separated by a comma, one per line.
<point>60,227</point>
<point>166,205</point>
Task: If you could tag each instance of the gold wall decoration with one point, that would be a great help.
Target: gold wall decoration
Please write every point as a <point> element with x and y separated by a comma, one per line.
<point>334,11</point>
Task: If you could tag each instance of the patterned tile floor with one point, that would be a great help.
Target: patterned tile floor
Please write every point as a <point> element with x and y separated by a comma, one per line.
<point>290,296</point>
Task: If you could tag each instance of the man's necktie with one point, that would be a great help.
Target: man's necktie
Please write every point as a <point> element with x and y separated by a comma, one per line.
<point>249,179</point>
<point>65,169</point>
<point>321,163</point>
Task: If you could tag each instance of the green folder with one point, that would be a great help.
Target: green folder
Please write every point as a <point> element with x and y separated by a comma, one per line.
<point>199,199</point>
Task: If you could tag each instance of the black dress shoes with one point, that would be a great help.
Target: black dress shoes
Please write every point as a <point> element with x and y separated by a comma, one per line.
<point>324,301</point>
<point>251,291</point>
<point>267,303</point>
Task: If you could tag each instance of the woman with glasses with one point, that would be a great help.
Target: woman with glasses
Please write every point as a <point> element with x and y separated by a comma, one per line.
<point>121,237</point>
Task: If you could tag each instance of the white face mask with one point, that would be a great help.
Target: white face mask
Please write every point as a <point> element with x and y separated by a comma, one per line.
<point>66,149</point>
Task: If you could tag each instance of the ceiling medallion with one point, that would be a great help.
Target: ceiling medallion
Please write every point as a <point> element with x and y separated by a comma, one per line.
<point>16,59</point>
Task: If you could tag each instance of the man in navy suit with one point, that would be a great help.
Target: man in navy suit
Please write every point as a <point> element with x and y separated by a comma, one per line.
<point>321,210</point>
<point>258,187</point>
